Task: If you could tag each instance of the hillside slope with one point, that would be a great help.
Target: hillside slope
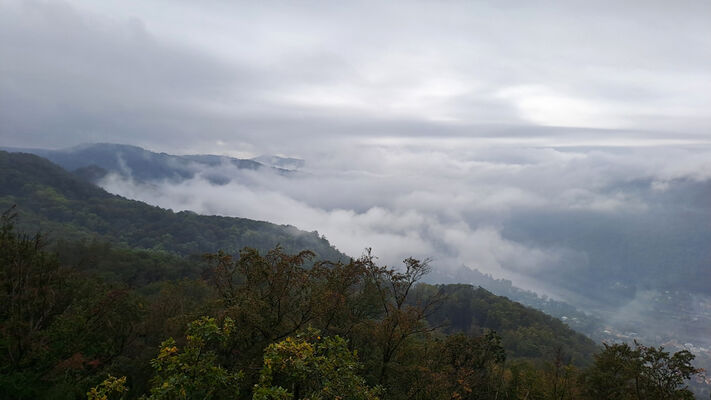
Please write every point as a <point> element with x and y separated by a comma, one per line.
<point>526,333</point>
<point>141,164</point>
<point>60,204</point>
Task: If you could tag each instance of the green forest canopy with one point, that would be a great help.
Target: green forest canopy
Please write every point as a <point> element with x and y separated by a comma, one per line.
<point>269,326</point>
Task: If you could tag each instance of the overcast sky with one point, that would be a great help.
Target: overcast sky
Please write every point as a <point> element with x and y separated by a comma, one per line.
<point>251,77</point>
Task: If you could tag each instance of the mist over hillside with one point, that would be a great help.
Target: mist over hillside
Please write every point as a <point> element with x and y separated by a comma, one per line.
<point>621,233</point>
<point>63,206</point>
<point>95,161</point>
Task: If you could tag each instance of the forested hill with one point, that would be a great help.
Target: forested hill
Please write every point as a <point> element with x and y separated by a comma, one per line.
<point>525,332</point>
<point>271,327</point>
<point>64,206</point>
<point>139,163</point>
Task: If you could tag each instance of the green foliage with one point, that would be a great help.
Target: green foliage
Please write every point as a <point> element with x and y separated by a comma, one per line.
<point>471,363</point>
<point>311,367</point>
<point>403,317</point>
<point>623,372</point>
<point>525,333</point>
<point>30,294</point>
<point>194,372</point>
<point>111,387</point>
<point>269,297</point>
<point>383,334</point>
<point>133,267</point>
<point>57,329</point>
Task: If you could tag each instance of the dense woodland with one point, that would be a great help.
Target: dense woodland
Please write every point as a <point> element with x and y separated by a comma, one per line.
<point>124,300</point>
<point>267,326</point>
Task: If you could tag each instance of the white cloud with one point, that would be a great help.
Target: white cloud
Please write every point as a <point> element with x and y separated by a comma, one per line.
<point>543,106</point>
<point>438,202</point>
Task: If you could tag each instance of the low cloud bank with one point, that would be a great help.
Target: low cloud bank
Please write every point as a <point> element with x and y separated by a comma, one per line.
<point>456,206</point>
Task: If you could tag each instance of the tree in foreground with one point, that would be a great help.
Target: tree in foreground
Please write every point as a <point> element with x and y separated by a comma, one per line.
<point>472,365</point>
<point>311,367</point>
<point>640,373</point>
<point>306,366</point>
<point>59,330</point>
<point>110,388</point>
<point>194,372</point>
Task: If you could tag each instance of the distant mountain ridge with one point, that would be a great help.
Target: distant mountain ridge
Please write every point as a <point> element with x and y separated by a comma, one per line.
<point>575,318</point>
<point>281,162</point>
<point>144,165</point>
<point>63,205</point>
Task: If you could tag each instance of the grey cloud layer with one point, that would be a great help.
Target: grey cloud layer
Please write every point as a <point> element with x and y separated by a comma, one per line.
<point>253,77</point>
<point>452,205</point>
